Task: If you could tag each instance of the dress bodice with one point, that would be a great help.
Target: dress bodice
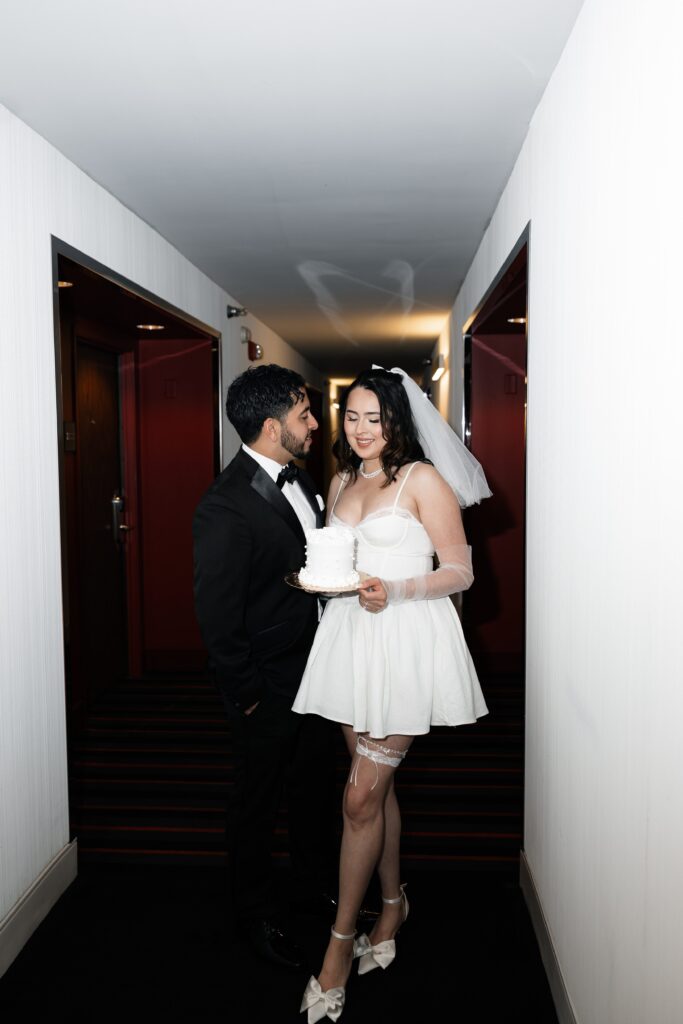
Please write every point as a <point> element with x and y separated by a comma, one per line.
<point>391,542</point>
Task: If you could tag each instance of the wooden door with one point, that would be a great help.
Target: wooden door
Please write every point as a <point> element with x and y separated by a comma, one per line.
<point>316,459</point>
<point>101,642</point>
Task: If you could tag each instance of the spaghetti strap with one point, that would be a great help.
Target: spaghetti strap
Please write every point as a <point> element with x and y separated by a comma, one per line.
<point>404,482</point>
<point>336,497</point>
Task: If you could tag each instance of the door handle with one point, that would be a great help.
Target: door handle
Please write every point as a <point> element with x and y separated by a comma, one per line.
<point>116,525</point>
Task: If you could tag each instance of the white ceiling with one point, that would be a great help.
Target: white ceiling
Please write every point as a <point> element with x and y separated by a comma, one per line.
<point>332,163</point>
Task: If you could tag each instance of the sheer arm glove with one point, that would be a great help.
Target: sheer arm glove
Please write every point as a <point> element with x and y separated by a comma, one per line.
<point>439,513</point>
<point>453,575</point>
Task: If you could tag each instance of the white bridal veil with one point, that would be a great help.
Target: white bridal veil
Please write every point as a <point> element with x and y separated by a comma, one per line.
<point>443,447</point>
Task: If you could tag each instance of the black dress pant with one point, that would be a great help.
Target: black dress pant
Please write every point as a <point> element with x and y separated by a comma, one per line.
<point>278,752</point>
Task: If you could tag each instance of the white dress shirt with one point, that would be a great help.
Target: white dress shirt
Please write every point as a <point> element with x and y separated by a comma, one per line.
<point>292,491</point>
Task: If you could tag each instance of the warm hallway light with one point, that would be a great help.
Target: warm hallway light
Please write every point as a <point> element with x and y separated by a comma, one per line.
<point>150,327</point>
<point>440,368</point>
<point>65,284</point>
<point>516,319</point>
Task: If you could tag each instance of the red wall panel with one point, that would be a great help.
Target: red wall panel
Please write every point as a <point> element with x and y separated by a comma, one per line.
<point>176,465</point>
<point>495,606</point>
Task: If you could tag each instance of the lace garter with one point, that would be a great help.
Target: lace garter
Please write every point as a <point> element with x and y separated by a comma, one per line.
<point>376,753</point>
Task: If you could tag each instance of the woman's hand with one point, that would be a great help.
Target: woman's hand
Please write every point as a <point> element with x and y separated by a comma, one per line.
<point>372,595</point>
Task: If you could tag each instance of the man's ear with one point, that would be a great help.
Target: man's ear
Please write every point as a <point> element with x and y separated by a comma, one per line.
<point>271,429</point>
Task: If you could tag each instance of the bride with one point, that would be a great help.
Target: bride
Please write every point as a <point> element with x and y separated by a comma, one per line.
<point>391,661</point>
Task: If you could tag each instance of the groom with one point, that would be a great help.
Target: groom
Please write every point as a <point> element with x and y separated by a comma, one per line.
<point>248,535</point>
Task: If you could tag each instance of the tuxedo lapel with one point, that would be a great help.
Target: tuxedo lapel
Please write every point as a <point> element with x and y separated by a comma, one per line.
<point>264,486</point>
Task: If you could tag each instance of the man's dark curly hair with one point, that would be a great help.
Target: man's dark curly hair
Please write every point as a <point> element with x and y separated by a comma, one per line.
<point>398,426</point>
<point>261,393</point>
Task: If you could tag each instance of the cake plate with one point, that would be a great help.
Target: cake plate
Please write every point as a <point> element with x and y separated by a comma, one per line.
<point>292,579</point>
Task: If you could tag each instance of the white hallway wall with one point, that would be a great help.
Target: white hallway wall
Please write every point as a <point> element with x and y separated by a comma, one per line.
<point>599,177</point>
<point>43,194</point>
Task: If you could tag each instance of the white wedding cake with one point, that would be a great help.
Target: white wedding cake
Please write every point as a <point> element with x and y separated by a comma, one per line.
<point>330,554</point>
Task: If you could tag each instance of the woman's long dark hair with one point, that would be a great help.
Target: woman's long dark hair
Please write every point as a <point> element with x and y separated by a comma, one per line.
<point>398,426</point>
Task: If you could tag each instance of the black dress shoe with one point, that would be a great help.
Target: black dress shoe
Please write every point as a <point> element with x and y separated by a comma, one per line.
<point>269,941</point>
<point>319,904</point>
<point>367,917</point>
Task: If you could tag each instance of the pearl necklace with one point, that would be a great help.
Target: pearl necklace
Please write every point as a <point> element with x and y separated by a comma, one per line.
<point>369,476</point>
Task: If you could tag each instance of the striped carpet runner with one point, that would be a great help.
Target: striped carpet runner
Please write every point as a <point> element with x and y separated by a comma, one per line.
<point>151,774</point>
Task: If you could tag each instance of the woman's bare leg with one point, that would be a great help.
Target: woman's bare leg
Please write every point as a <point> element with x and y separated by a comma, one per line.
<point>368,797</point>
<point>388,869</point>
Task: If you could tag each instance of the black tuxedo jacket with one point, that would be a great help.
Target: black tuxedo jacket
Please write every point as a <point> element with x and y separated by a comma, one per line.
<point>257,629</point>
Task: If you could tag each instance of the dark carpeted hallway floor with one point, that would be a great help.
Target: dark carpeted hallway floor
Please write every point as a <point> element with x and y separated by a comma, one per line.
<point>143,934</point>
<point>152,943</point>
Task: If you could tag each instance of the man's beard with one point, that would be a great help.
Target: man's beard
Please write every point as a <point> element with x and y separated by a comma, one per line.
<point>293,445</point>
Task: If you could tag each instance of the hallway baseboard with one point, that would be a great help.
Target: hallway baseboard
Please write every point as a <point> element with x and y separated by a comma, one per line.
<point>563,1004</point>
<point>27,913</point>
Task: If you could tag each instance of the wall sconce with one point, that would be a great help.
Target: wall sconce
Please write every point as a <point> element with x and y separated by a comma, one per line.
<point>440,367</point>
<point>232,311</point>
<point>245,335</point>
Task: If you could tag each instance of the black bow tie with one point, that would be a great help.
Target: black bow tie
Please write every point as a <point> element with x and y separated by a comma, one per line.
<point>287,475</point>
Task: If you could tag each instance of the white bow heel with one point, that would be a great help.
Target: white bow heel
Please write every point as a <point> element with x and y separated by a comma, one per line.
<point>384,953</point>
<point>324,1004</point>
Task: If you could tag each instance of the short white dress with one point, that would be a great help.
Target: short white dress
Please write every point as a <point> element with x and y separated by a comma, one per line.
<point>401,670</point>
